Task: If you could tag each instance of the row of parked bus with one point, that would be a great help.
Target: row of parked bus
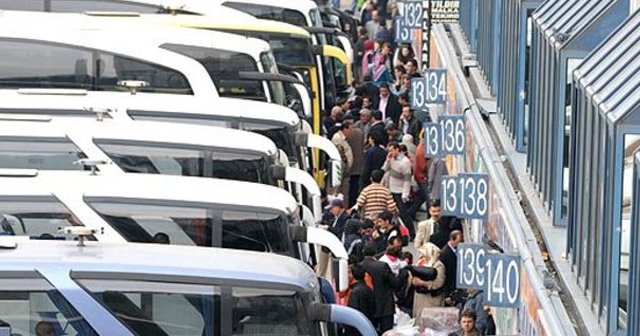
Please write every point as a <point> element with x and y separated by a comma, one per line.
<point>193,123</point>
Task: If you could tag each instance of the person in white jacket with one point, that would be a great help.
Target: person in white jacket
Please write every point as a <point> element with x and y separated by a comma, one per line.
<point>398,168</point>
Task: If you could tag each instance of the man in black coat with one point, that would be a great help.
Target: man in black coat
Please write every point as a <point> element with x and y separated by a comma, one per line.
<point>384,283</point>
<point>449,258</point>
<point>374,158</point>
<point>388,104</point>
<point>361,298</point>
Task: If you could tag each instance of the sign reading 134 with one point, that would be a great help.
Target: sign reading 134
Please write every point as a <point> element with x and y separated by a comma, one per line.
<point>431,89</point>
<point>465,195</point>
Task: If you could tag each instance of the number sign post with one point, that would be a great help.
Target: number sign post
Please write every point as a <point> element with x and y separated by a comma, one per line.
<point>465,195</point>
<point>431,89</point>
<point>445,137</point>
<point>498,275</point>
<point>413,13</point>
<point>403,32</point>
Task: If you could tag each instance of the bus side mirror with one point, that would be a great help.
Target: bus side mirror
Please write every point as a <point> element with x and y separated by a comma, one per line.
<point>333,313</point>
<point>340,273</point>
<point>335,173</point>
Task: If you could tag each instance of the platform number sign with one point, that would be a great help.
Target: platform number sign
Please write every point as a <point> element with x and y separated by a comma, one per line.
<point>413,11</point>
<point>465,195</point>
<point>447,136</point>
<point>498,275</point>
<point>430,89</point>
<point>403,32</point>
<point>436,85</point>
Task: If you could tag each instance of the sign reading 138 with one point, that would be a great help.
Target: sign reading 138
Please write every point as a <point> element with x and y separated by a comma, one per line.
<point>465,195</point>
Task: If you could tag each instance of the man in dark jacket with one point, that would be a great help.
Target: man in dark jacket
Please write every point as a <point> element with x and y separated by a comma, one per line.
<point>356,142</point>
<point>449,258</point>
<point>361,298</point>
<point>384,282</point>
<point>388,104</point>
<point>374,158</point>
<point>336,207</point>
<point>409,124</point>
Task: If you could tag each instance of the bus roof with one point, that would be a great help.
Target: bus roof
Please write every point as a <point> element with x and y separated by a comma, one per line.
<point>185,264</point>
<point>149,30</point>
<point>75,102</point>
<point>159,189</point>
<point>302,5</point>
<point>148,132</point>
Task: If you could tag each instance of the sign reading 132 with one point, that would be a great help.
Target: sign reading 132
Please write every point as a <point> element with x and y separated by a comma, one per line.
<point>498,275</point>
<point>412,13</point>
<point>465,195</point>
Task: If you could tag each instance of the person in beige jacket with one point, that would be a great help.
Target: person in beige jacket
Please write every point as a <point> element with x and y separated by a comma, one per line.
<point>428,293</point>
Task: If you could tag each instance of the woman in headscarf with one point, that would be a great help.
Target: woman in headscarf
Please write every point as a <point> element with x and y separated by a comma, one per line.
<point>381,73</point>
<point>428,293</point>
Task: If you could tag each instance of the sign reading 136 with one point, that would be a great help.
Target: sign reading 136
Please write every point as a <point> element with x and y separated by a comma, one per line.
<point>445,137</point>
<point>465,195</point>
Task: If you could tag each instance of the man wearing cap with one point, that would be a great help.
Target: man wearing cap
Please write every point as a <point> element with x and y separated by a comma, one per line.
<point>336,208</point>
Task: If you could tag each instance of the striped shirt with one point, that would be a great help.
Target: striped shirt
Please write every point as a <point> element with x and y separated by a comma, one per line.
<point>374,199</point>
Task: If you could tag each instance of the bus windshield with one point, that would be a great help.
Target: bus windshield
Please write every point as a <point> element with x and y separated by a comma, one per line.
<point>142,222</point>
<point>223,67</point>
<point>282,136</point>
<point>166,308</point>
<point>224,163</point>
<point>36,217</point>
<point>276,88</point>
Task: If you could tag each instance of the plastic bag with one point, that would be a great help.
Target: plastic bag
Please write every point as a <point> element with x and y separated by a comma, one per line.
<point>437,321</point>
<point>404,325</point>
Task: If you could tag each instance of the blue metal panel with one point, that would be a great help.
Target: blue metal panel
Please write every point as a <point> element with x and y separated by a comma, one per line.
<point>568,30</point>
<point>489,23</point>
<point>514,54</point>
<point>634,256</point>
<point>605,112</point>
<point>469,22</point>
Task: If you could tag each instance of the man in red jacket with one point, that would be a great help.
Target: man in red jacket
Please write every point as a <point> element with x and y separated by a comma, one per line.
<point>420,174</point>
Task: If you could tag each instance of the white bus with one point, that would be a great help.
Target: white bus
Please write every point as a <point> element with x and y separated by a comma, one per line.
<point>239,67</point>
<point>145,208</point>
<point>116,146</point>
<point>153,290</point>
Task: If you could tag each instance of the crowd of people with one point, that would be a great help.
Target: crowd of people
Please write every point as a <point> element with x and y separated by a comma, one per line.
<point>386,180</point>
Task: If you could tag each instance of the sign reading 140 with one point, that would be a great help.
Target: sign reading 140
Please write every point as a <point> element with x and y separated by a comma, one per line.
<point>465,195</point>
<point>498,275</point>
<point>447,136</point>
<point>431,89</point>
